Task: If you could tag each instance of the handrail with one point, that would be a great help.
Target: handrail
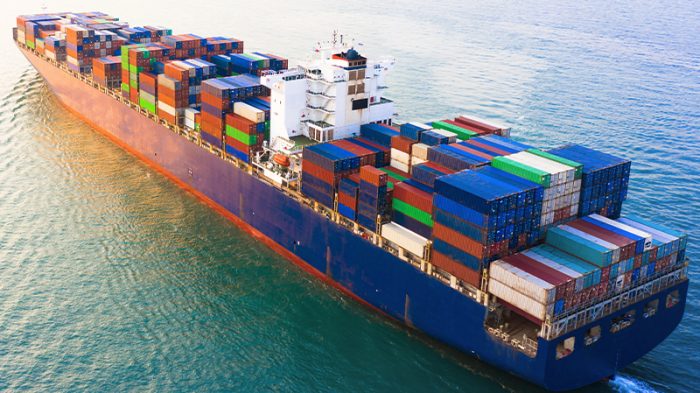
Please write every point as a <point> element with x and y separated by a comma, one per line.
<point>554,329</point>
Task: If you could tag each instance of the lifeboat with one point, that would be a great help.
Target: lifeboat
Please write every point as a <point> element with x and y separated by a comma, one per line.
<point>281,159</point>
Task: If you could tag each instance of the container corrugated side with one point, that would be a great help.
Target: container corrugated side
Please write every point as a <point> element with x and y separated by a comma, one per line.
<point>405,238</point>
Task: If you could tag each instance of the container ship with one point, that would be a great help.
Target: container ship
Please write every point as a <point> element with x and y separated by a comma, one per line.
<point>515,255</point>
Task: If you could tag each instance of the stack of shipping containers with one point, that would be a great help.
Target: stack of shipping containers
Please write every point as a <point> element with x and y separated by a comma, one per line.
<point>323,166</point>
<point>562,183</point>
<point>372,200</point>
<point>245,130</point>
<point>78,48</point>
<point>480,216</point>
<point>584,262</point>
<point>348,191</point>
<point>107,71</point>
<point>604,180</point>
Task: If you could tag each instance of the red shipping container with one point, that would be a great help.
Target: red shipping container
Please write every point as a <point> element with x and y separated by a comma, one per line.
<point>456,269</point>
<point>460,241</point>
<point>241,123</point>
<point>475,124</point>
<point>402,144</point>
<point>413,196</point>
<point>367,157</point>
<point>472,151</point>
<point>373,176</point>
<point>627,245</point>
<point>148,79</point>
<point>653,253</point>
<point>495,150</point>
<point>386,150</point>
<point>320,173</point>
<point>347,200</point>
<point>167,116</point>
<point>238,145</point>
<point>466,127</point>
<point>212,129</point>
<point>439,168</point>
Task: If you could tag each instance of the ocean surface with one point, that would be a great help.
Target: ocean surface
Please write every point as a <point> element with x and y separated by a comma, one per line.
<point>114,279</point>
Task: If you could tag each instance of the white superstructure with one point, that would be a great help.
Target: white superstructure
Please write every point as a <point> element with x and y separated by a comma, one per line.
<point>330,95</point>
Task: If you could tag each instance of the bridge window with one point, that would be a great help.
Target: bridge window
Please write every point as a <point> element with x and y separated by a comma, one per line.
<point>565,347</point>
<point>623,321</point>
<point>650,308</point>
<point>672,299</point>
<point>592,335</point>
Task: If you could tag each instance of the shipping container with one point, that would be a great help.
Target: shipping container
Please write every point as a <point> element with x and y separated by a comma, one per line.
<point>405,238</point>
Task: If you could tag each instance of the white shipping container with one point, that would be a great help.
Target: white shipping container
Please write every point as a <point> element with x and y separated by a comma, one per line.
<point>249,112</point>
<point>400,156</point>
<point>420,125</point>
<point>189,123</point>
<point>191,70</point>
<point>522,281</point>
<point>166,108</point>
<point>645,235</point>
<point>559,173</point>
<point>190,113</point>
<point>420,150</point>
<point>148,97</point>
<point>168,82</point>
<point>417,161</point>
<point>405,238</point>
<point>451,135</point>
<point>658,235</point>
<point>564,172</point>
<point>510,295</point>
<point>399,165</point>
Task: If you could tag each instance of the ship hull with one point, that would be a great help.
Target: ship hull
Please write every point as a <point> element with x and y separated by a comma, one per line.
<point>353,265</point>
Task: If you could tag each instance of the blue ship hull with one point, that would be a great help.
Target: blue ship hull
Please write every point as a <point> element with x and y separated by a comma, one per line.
<point>352,264</point>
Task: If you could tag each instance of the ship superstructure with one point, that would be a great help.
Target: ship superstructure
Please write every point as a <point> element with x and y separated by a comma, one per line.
<point>330,96</point>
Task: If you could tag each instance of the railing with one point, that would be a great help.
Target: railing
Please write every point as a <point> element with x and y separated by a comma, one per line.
<point>523,343</point>
<point>320,108</point>
<point>556,328</point>
<point>423,261</point>
<point>319,93</point>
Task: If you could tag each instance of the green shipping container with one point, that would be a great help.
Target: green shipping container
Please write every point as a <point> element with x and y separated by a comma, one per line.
<point>413,212</point>
<point>461,132</point>
<point>582,248</point>
<point>240,136</point>
<point>526,172</point>
<point>125,87</point>
<point>392,174</point>
<point>149,106</point>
